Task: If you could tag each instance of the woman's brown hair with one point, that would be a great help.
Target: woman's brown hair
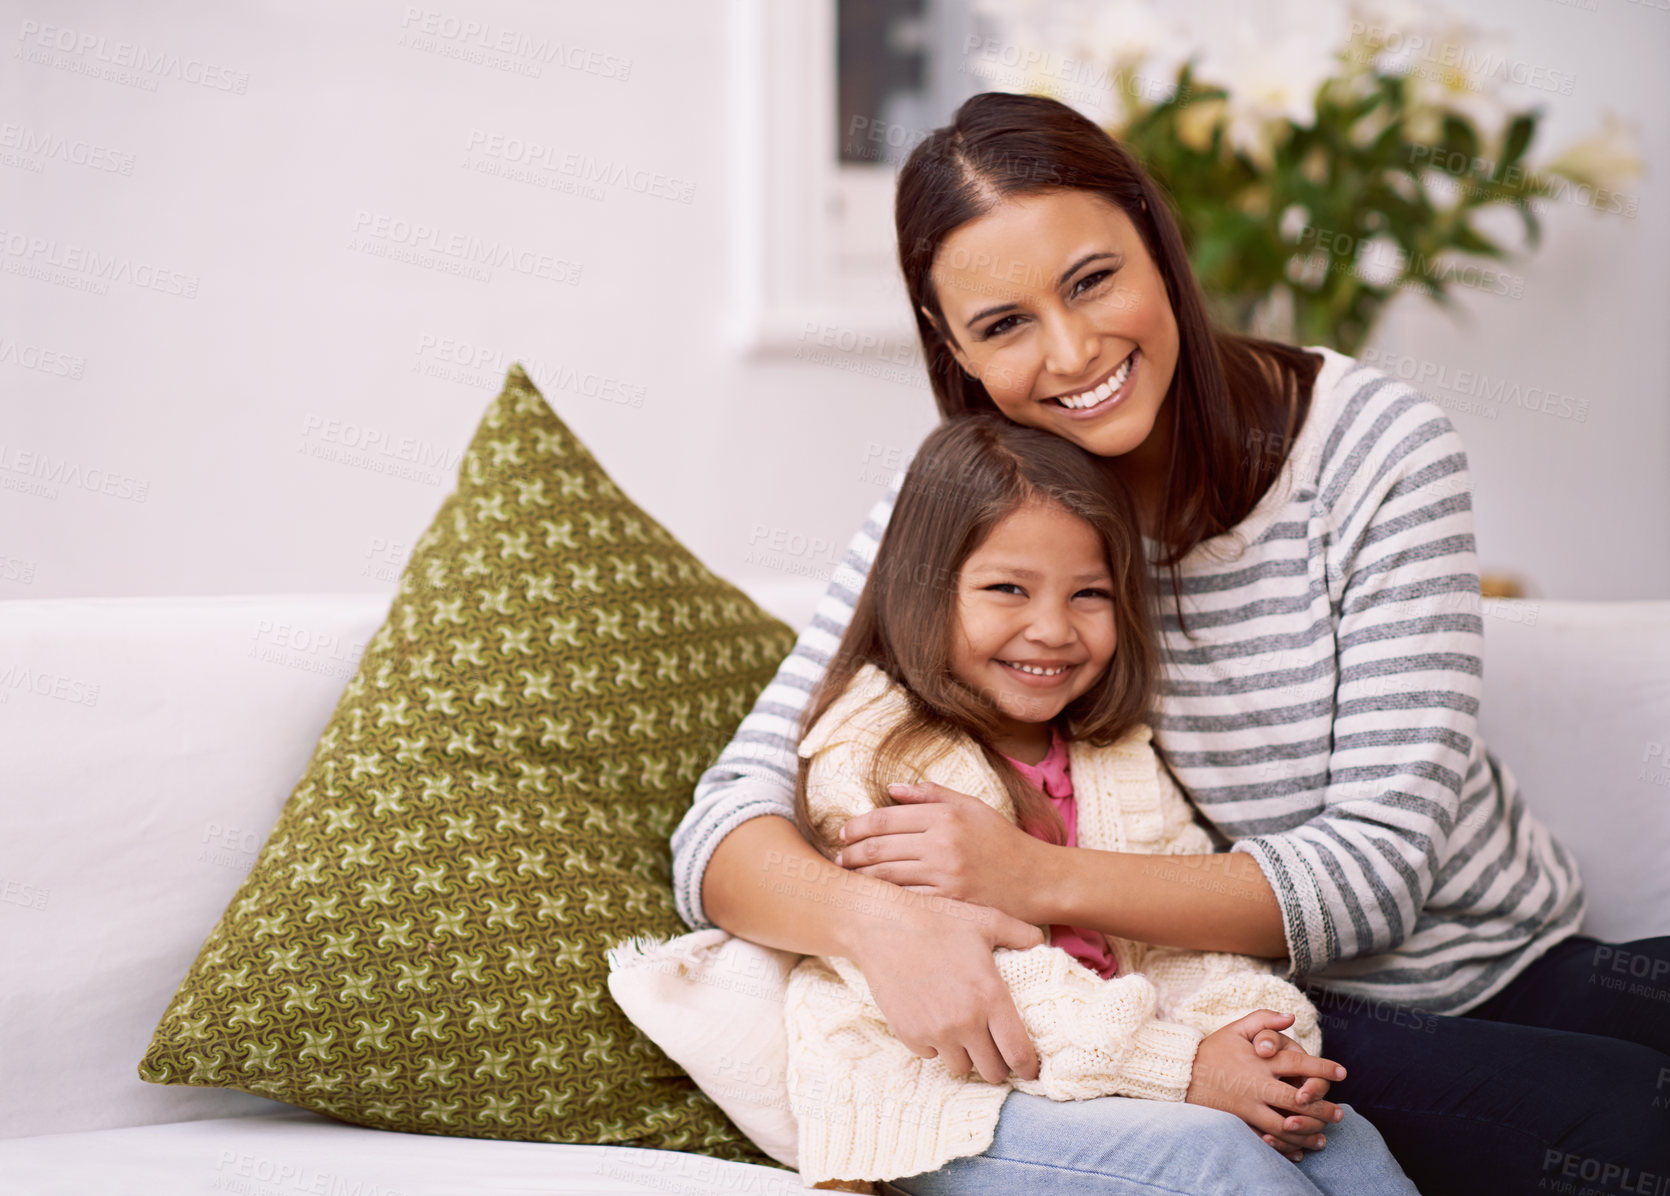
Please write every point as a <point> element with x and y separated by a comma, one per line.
<point>969,475</point>
<point>1235,402</point>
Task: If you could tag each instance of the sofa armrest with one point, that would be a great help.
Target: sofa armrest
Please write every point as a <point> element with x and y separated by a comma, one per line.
<point>1577,706</point>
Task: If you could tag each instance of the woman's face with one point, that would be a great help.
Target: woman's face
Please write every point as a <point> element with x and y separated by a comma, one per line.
<point>1034,627</point>
<point>1053,302</point>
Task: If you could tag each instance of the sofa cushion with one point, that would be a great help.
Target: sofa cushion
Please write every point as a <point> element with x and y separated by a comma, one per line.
<point>133,815</point>
<point>290,1152</point>
<point>420,944</point>
<point>715,1004</point>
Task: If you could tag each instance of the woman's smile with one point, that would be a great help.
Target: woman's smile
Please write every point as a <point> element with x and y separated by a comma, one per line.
<point>1054,303</point>
<point>1106,394</point>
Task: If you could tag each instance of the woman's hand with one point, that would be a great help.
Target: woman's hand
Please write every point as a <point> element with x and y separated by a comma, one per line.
<point>932,973</point>
<point>928,961</point>
<point>1245,1069</point>
<point>948,844</point>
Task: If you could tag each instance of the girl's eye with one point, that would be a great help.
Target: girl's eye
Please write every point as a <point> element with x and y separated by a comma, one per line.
<point>1006,587</point>
<point>1094,593</point>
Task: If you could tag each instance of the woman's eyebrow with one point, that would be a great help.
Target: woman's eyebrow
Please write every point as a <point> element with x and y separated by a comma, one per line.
<point>1065,275</point>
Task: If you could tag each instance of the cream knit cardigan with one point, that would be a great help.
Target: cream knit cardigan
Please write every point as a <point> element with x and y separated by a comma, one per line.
<point>868,1108</point>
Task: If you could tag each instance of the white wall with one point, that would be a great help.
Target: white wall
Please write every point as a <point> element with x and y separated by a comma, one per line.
<point>263,199</point>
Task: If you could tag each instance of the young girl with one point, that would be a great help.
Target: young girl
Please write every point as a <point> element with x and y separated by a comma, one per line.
<point>1001,647</point>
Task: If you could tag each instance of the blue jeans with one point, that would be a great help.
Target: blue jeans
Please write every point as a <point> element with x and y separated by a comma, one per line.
<point>1118,1146</point>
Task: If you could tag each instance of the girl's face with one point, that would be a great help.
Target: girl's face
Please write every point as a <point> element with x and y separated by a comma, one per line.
<point>1052,301</point>
<point>1034,626</point>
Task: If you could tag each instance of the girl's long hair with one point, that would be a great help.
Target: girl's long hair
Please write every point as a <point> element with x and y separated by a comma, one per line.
<point>968,475</point>
<point>1235,403</point>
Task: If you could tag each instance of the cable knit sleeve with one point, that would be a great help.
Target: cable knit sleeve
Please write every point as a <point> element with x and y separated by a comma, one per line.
<point>835,788</point>
<point>841,747</point>
<point>1096,1037</point>
<point>1180,834</point>
<point>1206,990</point>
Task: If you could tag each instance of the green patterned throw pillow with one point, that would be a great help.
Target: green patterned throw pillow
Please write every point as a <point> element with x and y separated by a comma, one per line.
<point>421,943</point>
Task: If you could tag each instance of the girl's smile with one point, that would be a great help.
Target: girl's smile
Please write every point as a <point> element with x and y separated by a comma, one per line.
<point>1034,621</point>
<point>1045,672</point>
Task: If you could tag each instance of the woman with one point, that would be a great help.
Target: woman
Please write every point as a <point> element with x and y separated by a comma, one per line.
<point>1311,525</point>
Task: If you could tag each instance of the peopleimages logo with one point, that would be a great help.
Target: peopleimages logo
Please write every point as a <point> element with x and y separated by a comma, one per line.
<point>41,474</point>
<point>41,359</point>
<point>58,46</point>
<point>486,44</point>
<point>1496,392</point>
<point>582,168</point>
<point>421,244</point>
<point>53,260</point>
<point>479,366</point>
<point>48,685</point>
<point>1416,54</point>
<point>40,144</point>
<point>376,449</point>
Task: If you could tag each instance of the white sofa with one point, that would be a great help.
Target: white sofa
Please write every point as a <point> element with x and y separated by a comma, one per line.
<point>147,745</point>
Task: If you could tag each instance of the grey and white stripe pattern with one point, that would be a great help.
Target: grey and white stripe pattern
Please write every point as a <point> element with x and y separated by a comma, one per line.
<point>1322,717</point>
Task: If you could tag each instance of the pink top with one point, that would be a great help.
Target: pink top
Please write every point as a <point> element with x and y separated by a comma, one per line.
<point>1050,775</point>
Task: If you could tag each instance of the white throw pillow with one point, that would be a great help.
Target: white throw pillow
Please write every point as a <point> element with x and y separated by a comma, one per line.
<point>714,1004</point>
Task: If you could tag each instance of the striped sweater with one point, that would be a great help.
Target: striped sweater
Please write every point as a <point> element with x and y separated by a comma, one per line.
<point>1322,713</point>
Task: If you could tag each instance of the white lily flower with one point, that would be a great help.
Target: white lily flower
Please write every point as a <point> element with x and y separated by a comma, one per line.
<point>1609,159</point>
<point>1445,61</point>
<point>1272,78</point>
<point>1104,59</point>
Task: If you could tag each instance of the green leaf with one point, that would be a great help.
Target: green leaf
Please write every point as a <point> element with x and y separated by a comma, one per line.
<point>1459,137</point>
<point>1518,140</point>
<point>1361,108</point>
<point>1389,146</point>
<point>1469,240</point>
<point>1357,176</point>
<point>1434,289</point>
<point>1533,227</point>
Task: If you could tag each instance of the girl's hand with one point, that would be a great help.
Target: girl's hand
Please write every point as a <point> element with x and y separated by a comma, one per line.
<point>948,844</point>
<point>1268,1042</point>
<point>931,971</point>
<point>1234,1074</point>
